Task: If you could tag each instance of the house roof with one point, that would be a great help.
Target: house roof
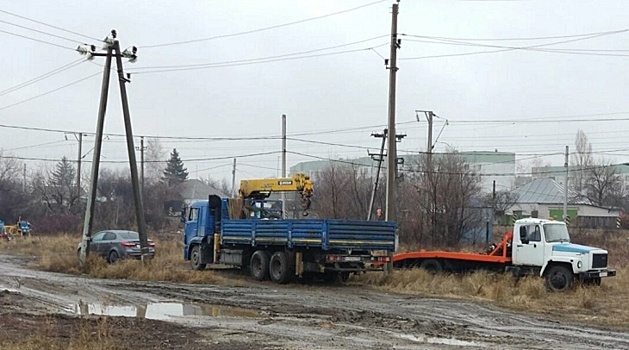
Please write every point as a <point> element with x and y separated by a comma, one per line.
<point>197,189</point>
<point>546,191</point>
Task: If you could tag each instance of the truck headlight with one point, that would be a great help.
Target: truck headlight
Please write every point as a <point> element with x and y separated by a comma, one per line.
<point>579,264</point>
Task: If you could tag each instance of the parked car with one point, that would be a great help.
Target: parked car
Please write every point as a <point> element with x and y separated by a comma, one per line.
<point>114,245</point>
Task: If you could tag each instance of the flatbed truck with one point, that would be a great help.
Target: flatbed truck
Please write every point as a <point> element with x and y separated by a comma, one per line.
<point>541,247</point>
<point>236,232</point>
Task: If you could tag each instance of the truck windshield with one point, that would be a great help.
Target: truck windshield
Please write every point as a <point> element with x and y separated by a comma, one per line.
<point>556,233</point>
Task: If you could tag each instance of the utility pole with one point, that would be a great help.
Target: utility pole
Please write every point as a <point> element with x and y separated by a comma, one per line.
<point>137,195</point>
<point>283,163</point>
<point>113,50</point>
<point>565,198</point>
<point>391,144</point>
<point>234,179</point>
<point>24,180</point>
<point>78,167</point>
<point>142,162</point>
<point>98,142</point>
<point>429,118</point>
<point>378,157</point>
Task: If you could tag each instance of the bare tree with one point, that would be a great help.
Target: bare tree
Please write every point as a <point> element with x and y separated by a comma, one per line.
<point>9,167</point>
<point>581,160</point>
<point>603,184</point>
<point>155,157</point>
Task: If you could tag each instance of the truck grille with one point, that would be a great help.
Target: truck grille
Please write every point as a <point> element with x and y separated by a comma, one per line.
<point>599,261</point>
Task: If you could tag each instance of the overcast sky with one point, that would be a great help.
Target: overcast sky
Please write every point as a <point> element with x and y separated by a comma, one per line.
<point>549,92</point>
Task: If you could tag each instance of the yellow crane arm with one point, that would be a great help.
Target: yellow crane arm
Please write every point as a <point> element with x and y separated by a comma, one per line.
<point>262,188</point>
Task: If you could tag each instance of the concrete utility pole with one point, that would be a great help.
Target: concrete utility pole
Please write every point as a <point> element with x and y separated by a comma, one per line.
<point>565,198</point>
<point>391,144</point>
<point>78,167</point>
<point>98,142</point>
<point>379,157</point>
<point>113,50</point>
<point>137,194</point>
<point>429,117</point>
<point>234,180</point>
<point>283,163</point>
<point>142,162</point>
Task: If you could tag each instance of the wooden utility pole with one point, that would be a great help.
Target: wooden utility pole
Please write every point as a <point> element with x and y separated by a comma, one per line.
<point>392,139</point>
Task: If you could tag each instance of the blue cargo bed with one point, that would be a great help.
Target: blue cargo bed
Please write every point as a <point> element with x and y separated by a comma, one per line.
<point>325,234</point>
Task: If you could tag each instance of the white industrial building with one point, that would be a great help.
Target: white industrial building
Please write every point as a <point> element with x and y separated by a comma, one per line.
<point>491,166</point>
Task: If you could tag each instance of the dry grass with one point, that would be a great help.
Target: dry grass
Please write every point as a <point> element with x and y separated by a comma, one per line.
<point>86,337</point>
<point>59,254</point>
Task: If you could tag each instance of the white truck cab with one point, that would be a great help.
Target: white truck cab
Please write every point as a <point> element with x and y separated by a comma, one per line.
<point>543,246</point>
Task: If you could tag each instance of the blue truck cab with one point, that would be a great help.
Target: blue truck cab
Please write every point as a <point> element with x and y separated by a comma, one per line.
<point>221,231</point>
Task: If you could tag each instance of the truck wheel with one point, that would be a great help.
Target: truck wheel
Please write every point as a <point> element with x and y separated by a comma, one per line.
<point>431,265</point>
<point>195,258</point>
<point>280,268</point>
<point>259,265</point>
<point>558,278</point>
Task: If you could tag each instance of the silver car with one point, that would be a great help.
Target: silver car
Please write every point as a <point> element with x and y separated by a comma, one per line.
<point>114,245</point>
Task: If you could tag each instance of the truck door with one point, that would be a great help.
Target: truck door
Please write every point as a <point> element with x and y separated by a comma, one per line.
<point>192,224</point>
<point>529,246</point>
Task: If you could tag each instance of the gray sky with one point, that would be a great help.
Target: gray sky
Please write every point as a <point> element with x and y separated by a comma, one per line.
<point>575,85</point>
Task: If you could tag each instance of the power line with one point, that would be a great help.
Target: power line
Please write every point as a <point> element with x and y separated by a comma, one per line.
<point>199,65</point>
<point>43,76</point>
<point>518,39</point>
<point>253,61</point>
<point>49,25</point>
<point>49,92</point>
<point>38,31</point>
<point>259,29</point>
<point>538,47</point>
<point>37,40</point>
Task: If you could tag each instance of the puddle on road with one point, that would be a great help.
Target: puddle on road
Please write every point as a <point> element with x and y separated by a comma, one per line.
<point>440,341</point>
<point>161,311</point>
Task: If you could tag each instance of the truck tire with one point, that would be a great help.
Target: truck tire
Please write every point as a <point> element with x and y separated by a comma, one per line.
<point>195,258</point>
<point>558,278</point>
<point>280,268</point>
<point>431,265</point>
<point>259,265</point>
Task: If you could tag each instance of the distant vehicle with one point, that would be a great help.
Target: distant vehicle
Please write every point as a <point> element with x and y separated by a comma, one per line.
<point>114,245</point>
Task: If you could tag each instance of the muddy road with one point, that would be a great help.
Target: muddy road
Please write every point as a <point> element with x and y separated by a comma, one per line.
<point>268,316</point>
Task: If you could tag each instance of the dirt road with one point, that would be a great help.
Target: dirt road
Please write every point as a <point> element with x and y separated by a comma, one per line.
<point>268,316</point>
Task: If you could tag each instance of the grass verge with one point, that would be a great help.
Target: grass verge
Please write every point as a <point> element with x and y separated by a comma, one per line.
<point>59,254</point>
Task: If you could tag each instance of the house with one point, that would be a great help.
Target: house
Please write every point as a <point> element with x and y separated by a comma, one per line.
<point>544,198</point>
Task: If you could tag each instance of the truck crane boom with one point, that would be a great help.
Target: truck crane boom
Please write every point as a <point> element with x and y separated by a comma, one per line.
<point>262,188</point>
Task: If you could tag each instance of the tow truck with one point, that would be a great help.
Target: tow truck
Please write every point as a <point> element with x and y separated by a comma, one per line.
<point>541,247</point>
<point>244,232</point>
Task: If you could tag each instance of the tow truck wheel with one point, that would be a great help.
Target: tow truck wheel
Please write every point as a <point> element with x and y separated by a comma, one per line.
<point>558,278</point>
<point>259,265</point>
<point>280,268</point>
<point>195,258</point>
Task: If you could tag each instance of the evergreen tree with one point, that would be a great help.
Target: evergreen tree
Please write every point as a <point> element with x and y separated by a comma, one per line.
<point>175,172</point>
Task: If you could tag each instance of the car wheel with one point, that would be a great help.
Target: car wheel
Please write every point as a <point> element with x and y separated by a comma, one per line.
<point>113,257</point>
